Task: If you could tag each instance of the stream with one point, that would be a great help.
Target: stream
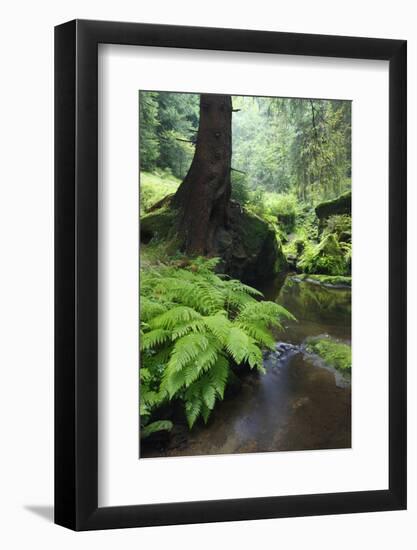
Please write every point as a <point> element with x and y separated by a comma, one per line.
<point>299,404</point>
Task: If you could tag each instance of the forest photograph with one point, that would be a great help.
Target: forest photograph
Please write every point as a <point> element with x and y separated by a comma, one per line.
<point>245,227</point>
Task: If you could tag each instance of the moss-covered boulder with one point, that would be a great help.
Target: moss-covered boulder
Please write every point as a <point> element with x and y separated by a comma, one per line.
<point>249,247</point>
<point>329,257</point>
<point>340,205</point>
<point>254,252</point>
<point>158,224</point>
<point>335,354</point>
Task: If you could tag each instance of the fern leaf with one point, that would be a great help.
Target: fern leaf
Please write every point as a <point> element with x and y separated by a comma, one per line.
<point>208,393</point>
<point>202,364</point>
<point>192,410</point>
<point>150,308</point>
<point>205,412</point>
<point>237,344</point>
<point>254,357</point>
<point>154,338</point>
<point>171,318</point>
<point>145,375</point>
<point>218,374</point>
<point>219,325</point>
<point>186,349</point>
<point>182,330</point>
<point>258,333</point>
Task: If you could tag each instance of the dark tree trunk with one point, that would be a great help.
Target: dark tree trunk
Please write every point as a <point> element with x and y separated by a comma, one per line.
<point>204,195</point>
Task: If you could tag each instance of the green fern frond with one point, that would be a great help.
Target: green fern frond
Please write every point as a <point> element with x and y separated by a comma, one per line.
<point>192,410</point>
<point>182,330</point>
<point>186,349</point>
<point>258,333</point>
<point>145,375</point>
<point>254,357</point>
<point>202,364</point>
<point>237,286</point>
<point>150,308</point>
<point>154,338</point>
<point>267,312</point>
<point>237,343</point>
<point>219,374</point>
<point>219,325</point>
<point>208,393</point>
<point>177,315</point>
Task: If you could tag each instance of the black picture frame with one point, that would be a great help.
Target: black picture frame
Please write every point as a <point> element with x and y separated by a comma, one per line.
<point>76,272</point>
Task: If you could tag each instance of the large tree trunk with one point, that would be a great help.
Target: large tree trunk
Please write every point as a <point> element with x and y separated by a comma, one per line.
<point>204,195</point>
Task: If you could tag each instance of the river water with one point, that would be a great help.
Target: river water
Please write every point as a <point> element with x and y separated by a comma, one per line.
<point>299,404</point>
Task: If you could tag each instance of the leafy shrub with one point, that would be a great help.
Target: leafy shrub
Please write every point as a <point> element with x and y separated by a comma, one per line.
<point>194,326</point>
<point>285,208</point>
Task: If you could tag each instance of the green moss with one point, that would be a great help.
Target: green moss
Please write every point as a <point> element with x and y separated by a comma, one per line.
<point>254,231</point>
<point>340,205</point>
<point>334,354</point>
<point>326,258</point>
<point>158,225</point>
<point>339,224</point>
<point>155,186</point>
<point>261,240</point>
<point>326,280</point>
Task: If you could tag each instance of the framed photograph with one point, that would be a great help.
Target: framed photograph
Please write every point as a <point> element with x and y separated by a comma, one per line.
<point>230,253</point>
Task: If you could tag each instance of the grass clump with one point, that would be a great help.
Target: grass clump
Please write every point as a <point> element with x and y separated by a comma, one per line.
<point>334,354</point>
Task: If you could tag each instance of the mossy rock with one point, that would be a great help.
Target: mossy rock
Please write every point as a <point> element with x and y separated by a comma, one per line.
<point>326,258</point>
<point>255,251</point>
<point>335,354</point>
<point>340,205</point>
<point>331,281</point>
<point>159,224</point>
<point>249,247</point>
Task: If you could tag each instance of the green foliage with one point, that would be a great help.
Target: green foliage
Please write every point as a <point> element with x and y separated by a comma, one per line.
<point>155,186</point>
<point>240,188</point>
<point>284,208</point>
<point>340,225</point>
<point>329,257</point>
<point>168,125</point>
<point>335,354</point>
<point>300,147</point>
<point>148,138</point>
<point>194,326</point>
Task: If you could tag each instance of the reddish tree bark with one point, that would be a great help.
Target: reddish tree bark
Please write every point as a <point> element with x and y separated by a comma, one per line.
<point>204,195</point>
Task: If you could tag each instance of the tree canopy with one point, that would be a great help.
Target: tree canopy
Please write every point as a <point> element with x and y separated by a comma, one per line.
<point>281,145</point>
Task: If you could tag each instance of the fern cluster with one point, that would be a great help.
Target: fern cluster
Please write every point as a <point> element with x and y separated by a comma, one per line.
<point>195,325</point>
